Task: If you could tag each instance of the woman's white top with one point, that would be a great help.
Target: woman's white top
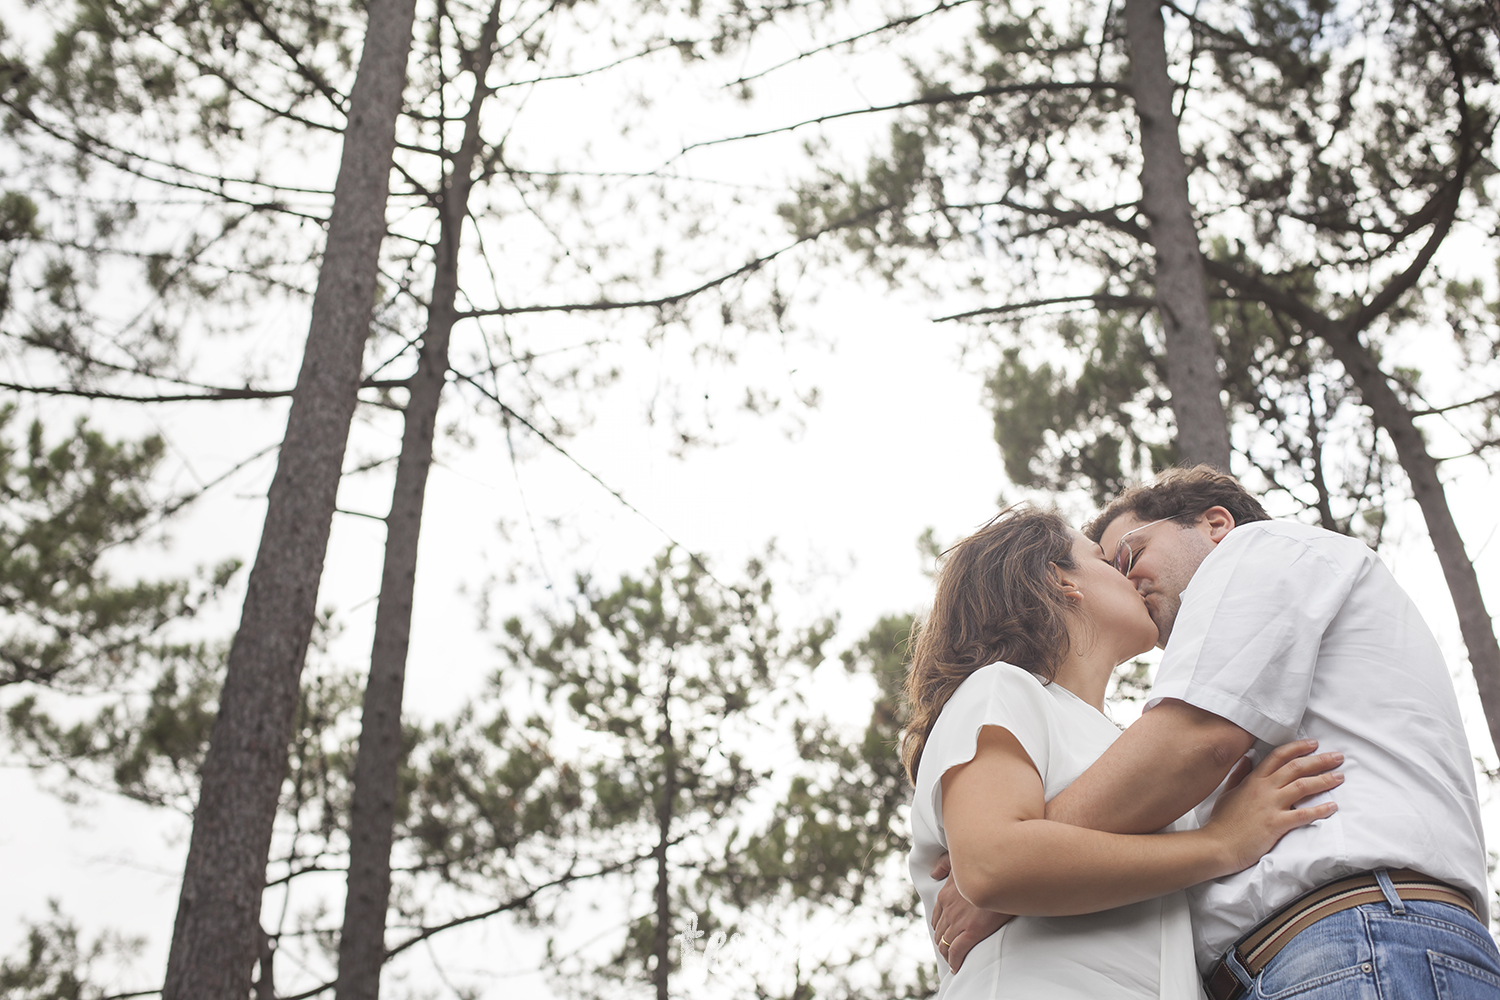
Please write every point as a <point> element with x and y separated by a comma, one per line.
<point>1140,951</point>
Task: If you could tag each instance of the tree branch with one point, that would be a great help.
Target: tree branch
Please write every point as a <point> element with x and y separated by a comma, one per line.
<point>212,395</point>
<point>219,394</point>
<point>605,305</point>
<point>121,159</point>
<point>1097,301</point>
<point>516,902</point>
<point>307,73</point>
<point>929,100</point>
<point>1435,410</point>
<point>1107,217</point>
<point>1443,205</point>
<point>1257,289</point>
<point>898,23</point>
<point>228,80</point>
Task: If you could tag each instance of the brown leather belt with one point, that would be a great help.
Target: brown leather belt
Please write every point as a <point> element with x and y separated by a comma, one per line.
<point>1254,951</point>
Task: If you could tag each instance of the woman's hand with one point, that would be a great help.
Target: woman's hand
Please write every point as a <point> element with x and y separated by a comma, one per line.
<point>957,924</point>
<point>1259,806</point>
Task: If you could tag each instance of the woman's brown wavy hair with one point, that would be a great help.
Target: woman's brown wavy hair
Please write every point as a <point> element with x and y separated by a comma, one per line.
<point>997,599</point>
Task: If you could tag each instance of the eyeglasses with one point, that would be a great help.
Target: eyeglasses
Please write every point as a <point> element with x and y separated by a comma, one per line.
<point>1124,557</point>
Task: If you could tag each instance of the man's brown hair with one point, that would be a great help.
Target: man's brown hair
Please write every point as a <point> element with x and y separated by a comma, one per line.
<point>997,599</point>
<point>1181,495</point>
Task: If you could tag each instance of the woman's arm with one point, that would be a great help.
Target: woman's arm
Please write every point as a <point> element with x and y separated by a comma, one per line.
<point>1007,856</point>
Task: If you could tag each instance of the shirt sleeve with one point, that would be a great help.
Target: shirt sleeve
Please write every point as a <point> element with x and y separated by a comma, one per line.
<point>1245,642</point>
<point>998,695</point>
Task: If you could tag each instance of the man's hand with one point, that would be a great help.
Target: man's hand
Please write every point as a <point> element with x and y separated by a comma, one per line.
<point>1259,807</point>
<point>957,924</point>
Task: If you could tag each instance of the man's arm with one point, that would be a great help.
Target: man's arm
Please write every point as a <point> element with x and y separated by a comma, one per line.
<point>1166,763</point>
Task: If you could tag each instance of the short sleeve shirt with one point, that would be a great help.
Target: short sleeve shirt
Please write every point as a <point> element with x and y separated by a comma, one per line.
<point>1291,631</point>
<point>1137,952</point>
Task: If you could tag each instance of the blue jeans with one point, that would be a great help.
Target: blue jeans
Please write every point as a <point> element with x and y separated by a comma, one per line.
<point>1395,950</point>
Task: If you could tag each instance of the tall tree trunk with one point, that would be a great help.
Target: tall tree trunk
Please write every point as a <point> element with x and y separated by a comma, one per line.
<point>372,811</point>
<point>216,933</point>
<point>661,946</point>
<point>1474,620</point>
<point>1181,295</point>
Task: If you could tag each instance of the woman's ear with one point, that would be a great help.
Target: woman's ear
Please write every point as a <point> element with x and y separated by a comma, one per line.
<point>1066,581</point>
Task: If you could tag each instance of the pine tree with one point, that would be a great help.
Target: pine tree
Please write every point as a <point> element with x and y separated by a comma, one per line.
<point>214,941</point>
<point>373,809</point>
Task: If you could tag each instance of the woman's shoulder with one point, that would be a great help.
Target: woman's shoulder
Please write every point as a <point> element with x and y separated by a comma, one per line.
<point>997,694</point>
<point>1000,694</point>
<point>1001,676</point>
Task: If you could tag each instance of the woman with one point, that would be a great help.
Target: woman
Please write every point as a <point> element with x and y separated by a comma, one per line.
<point>1006,696</point>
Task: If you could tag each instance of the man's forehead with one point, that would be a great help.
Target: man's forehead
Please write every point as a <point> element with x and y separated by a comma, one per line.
<point>1127,521</point>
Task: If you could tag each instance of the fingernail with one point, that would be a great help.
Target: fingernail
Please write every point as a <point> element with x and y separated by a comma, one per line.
<point>1338,758</point>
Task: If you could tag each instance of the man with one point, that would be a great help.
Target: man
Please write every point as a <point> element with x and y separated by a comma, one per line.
<point>1275,631</point>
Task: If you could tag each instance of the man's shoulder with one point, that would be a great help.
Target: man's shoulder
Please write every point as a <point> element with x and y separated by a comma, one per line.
<point>1259,552</point>
<point>1295,533</point>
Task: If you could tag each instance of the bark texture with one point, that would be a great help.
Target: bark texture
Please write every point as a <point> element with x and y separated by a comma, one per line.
<point>372,811</point>
<point>216,933</point>
<point>1181,295</point>
<point>661,944</point>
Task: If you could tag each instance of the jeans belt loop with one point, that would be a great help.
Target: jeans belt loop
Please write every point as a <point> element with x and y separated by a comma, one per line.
<point>1232,960</point>
<point>1398,905</point>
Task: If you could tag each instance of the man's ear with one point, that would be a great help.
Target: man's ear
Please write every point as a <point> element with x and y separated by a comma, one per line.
<point>1218,522</point>
<point>1066,581</point>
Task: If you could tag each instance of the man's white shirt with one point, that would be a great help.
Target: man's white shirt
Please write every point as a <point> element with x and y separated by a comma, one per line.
<point>1291,631</point>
